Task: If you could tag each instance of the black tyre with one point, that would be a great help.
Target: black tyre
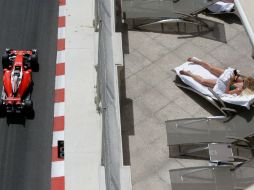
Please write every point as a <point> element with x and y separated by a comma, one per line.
<point>5,60</point>
<point>2,109</point>
<point>34,62</point>
<point>28,109</point>
<point>28,105</point>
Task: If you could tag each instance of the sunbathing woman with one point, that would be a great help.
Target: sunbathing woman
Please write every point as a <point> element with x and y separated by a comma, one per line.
<point>229,81</point>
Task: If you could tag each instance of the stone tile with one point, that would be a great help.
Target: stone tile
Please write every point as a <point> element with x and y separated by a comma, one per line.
<point>171,111</point>
<point>148,160</point>
<point>152,34</point>
<point>135,87</point>
<point>226,54</point>
<point>188,104</point>
<point>168,89</point>
<point>140,113</point>
<point>169,62</point>
<point>171,41</point>
<point>152,183</point>
<point>153,74</point>
<point>153,100</point>
<point>245,65</point>
<point>189,50</point>
<point>127,72</point>
<point>152,50</point>
<point>206,44</point>
<point>136,61</point>
<point>136,39</point>
<point>241,44</point>
<point>230,32</point>
<point>213,60</point>
<point>151,128</point>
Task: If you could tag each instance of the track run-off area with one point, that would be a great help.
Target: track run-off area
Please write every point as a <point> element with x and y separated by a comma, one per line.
<point>26,146</point>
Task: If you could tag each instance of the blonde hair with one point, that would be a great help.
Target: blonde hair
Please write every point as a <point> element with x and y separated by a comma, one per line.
<point>248,86</point>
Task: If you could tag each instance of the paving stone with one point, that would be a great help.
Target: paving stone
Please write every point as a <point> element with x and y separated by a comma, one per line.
<point>157,99</point>
<point>171,41</point>
<point>136,39</point>
<point>135,87</point>
<point>136,61</point>
<point>148,160</point>
<point>152,34</point>
<point>152,50</point>
<point>241,43</point>
<point>188,104</point>
<point>189,50</point>
<point>153,74</point>
<point>226,54</point>
<point>168,89</point>
<point>152,183</point>
<point>151,128</point>
<point>171,111</point>
<point>230,32</point>
<point>169,62</point>
<point>127,73</point>
<point>245,65</point>
<point>206,44</point>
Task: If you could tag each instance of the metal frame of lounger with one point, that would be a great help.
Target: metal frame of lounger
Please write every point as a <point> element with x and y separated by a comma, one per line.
<point>207,130</point>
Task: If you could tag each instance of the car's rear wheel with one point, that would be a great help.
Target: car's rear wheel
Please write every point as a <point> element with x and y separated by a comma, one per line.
<point>34,62</point>
<point>28,109</point>
<point>2,108</point>
<point>28,104</point>
<point>5,60</point>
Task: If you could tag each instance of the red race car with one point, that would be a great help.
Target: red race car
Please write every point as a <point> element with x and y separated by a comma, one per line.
<point>17,80</point>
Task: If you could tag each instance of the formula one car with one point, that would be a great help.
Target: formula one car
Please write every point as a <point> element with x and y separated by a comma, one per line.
<point>17,80</point>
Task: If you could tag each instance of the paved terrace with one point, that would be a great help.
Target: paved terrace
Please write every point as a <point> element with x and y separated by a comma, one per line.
<point>149,96</point>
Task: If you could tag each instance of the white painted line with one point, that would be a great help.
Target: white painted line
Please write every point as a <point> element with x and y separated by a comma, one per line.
<point>60,57</point>
<point>57,136</point>
<point>59,109</point>
<point>57,169</point>
<point>60,82</point>
<point>62,10</point>
<point>61,33</point>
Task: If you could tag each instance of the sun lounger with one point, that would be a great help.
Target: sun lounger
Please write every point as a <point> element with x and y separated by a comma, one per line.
<point>213,177</point>
<point>245,9</point>
<point>210,129</point>
<point>240,100</point>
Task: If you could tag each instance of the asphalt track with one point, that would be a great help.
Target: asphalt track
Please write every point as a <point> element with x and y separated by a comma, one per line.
<point>25,149</point>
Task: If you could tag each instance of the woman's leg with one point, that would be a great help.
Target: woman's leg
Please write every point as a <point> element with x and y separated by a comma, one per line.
<point>217,71</point>
<point>206,82</point>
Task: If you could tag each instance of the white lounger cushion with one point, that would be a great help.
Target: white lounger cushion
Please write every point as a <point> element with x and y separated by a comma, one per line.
<point>245,100</point>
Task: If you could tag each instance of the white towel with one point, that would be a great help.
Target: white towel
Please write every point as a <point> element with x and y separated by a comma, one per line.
<point>220,6</point>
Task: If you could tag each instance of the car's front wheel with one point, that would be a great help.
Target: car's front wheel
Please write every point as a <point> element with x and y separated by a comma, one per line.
<point>5,61</point>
